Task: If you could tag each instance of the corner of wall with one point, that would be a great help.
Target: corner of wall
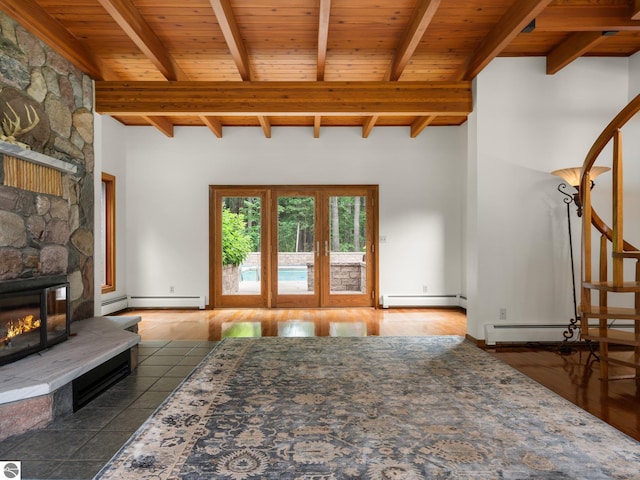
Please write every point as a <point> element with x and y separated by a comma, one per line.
<point>634,76</point>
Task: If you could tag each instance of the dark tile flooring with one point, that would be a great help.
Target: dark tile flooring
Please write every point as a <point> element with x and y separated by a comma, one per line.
<point>77,446</point>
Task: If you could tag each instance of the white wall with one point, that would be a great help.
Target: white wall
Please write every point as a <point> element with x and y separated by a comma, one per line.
<point>110,157</point>
<point>421,197</point>
<point>470,217</point>
<point>631,143</point>
<point>634,75</point>
<point>526,124</point>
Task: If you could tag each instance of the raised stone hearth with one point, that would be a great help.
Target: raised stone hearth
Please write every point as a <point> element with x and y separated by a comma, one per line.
<point>39,388</point>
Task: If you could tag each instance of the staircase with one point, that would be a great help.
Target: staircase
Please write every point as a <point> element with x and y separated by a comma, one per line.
<point>601,243</point>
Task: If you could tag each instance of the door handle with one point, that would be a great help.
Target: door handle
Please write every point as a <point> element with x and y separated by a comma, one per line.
<point>326,248</point>
<point>318,248</point>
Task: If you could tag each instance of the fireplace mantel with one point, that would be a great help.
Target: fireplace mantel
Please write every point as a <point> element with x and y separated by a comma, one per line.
<point>39,158</point>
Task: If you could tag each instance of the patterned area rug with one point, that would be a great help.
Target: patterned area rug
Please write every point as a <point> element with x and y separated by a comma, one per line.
<point>368,408</point>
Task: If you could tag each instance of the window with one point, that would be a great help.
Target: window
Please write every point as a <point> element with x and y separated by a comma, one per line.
<point>108,232</point>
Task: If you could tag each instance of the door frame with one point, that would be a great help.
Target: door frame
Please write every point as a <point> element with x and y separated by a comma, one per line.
<point>368,298</point>
<point>267,298</point>
<point>216,298</point>
<point>279,300</point>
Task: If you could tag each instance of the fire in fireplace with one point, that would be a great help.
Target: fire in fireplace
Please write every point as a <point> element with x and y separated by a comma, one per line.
<point>18,330</point>
<point>34,315</point>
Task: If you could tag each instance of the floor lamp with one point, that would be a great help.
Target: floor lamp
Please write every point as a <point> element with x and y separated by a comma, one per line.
<point>572,178</point>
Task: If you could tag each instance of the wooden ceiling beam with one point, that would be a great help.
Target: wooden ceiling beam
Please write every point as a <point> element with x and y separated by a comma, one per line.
<point>317,121</point>
<point>283,98</point>
<point>323,37</point>
<point>229,26</point>
<point>417,26</point>
<point>34,18</point>
<point>510,25</point>
<point>266,125</point>
<point>138,30</point>
<point>368,125</point>
<point>635,13</point>
<point>214,124</point>
<point>573,47</point>
<point>567,18</point>
<point>419,124</point>
<point>161,123</point>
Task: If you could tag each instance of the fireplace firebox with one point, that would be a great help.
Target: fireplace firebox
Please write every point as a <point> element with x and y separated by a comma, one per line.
<point>34,315</point>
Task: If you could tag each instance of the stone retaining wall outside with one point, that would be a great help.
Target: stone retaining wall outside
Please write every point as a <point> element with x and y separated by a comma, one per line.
<point>348,270</point>
<point>230,279</point>
<point>300,259</point>
<point>345,277</point>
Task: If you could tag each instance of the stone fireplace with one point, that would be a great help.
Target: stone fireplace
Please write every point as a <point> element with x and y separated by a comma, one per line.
<point>55,356</point>
<point>46,233</point>
<point>34,315</point>
<point>46,168</point>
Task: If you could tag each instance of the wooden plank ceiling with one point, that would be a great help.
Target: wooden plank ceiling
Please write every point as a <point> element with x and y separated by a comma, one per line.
<point>313,63</point>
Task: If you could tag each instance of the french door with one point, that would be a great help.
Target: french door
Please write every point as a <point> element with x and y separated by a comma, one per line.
<point>293,246</point>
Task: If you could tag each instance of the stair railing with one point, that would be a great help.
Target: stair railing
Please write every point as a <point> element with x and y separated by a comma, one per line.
<point>613,236</point>
<point>590,217</point>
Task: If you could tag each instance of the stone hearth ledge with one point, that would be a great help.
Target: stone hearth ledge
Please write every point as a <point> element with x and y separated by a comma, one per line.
<point>94,341</point>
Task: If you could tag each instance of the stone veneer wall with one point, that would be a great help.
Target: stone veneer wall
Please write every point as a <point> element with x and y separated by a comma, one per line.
<point>43,235</point>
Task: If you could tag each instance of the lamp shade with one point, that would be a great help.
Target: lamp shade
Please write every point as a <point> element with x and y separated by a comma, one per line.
<point>572,175</point>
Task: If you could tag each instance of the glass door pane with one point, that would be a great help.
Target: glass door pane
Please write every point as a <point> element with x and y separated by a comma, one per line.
<point>296,245</point>
<point>347,245</point>
<point>241,246</point>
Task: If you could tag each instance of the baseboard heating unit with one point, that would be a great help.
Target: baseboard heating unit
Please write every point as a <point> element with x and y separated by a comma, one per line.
<point>420,301</point>
<point>114,305</point>
<point>522,333</point>
<point>172,301</point>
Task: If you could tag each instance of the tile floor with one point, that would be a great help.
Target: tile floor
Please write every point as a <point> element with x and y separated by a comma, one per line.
<point>76,447</point>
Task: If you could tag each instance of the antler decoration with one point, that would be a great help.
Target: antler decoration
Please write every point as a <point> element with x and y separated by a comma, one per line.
<point>11,128</point>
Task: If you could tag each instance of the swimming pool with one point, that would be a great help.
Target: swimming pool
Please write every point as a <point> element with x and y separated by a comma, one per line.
<point>285,274</point>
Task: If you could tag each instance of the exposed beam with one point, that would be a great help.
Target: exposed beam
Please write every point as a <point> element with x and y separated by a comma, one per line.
<point>563,18</point>
<point>323,36</point>
<point>368,125</point>
<point>419,124</point>
<point>573,47</point>
<point>228,25</point>
<point>161,123</point>
<point>635,13</point>
<point>418,25</point>
<point>214,125</point>
<point>283,98</point>
<point>266,125</point>
<point>317,121</point>
<point>510,25</point>
<point>34,18</point>
<point>129,19</point>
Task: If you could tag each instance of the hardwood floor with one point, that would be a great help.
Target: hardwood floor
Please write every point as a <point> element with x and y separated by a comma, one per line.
<point>574,376</point>
<point>212,325</point>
